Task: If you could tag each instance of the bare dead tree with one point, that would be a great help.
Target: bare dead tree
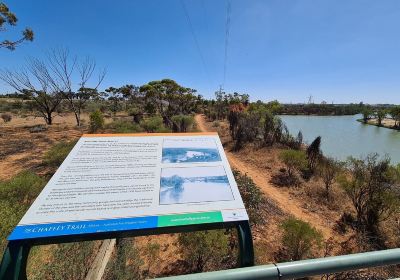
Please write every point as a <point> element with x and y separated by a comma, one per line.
<point>36,82</point>
<point>64,65</point>
<point>86,69</point>
<point>50,81</point>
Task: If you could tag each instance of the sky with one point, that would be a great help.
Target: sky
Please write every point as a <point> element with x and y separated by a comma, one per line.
<point>335,51</point>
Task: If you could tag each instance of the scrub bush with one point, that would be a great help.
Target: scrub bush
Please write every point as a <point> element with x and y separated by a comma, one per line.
<point>121,126</point>
<point>293,160</point>
<point>136,114</point>
<point>96,121</point>
<point>182,123</point>
<point>216,124</point>
<point>6,117</point>
<point>202,250</point>
<point>299,238</point>
<point>372,185</point>
<point>153,124</point>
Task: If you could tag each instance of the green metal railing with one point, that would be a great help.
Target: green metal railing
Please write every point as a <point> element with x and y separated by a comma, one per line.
<point>298,269</point>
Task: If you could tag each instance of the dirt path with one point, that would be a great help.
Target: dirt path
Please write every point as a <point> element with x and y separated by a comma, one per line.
<point>261,178</point>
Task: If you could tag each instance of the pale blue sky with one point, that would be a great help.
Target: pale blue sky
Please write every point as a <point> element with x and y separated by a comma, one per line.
<point>341,51</point>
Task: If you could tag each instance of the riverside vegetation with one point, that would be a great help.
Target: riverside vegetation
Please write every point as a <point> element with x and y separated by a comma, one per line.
<point>368,188</point>
<point>379,116</point>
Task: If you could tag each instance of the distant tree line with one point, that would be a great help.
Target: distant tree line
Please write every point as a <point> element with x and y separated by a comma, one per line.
<point>15,95</point>
<point>320,109</point>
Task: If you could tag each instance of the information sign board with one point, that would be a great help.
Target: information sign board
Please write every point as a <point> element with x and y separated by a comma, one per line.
<point>118,182</point>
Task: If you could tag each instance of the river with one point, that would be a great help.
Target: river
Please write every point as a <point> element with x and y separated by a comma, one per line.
<point>344,136</point>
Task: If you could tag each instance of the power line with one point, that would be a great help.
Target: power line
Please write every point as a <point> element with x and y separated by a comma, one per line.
<point>227,33</point>
<point>194,37</point>
<point>205,14</point>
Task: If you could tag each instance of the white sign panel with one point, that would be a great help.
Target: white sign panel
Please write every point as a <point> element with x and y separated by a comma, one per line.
<point>116,182</point>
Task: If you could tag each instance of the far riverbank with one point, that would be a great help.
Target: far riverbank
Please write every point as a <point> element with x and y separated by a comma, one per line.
<point>386,123</point>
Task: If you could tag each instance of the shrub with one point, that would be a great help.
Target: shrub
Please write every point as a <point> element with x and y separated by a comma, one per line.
<point>314,153</point>
<point>212,116</point>
<point>121,126</point>
<point>163,129</point>
<point>96,121</point>
<point>272,129</point>
<point>57,153</point>
<point>294,160</point>
<point>5,105</point>
<point>299,238</point>
<point>371,185</point>
<point>245,130</point>
<point>259,125</point>
<point>252,196</point>
<point>216,124</point>
<point>328,169</point>
<point>299,140</point>
<point>182,123</point>
<point>136,115</point>
<point>153,124</point>
<point>23,188</point>
<point>203,249</point>
<point>16,195</point>
<point>6,117</point>
<point>37,128</point>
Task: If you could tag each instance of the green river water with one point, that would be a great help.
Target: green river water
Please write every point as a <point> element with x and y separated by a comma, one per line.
<point>344,136</point>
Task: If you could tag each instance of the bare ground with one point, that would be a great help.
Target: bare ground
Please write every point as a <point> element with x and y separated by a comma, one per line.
<point>21,149</point>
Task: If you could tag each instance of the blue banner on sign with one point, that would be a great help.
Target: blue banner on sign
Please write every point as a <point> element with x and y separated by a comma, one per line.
<point>70,228</point>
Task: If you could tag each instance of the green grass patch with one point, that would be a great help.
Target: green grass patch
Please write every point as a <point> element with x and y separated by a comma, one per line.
<point>57,153</point>
<point>16,195</point>
<point>123,126</point>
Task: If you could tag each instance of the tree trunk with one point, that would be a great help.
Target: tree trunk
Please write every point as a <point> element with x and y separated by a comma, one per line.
<point>77,118</point>
<point>49,118</point>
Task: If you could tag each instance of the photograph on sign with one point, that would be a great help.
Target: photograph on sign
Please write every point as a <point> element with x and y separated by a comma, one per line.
<point>190,150</point>
<point>194,184</point>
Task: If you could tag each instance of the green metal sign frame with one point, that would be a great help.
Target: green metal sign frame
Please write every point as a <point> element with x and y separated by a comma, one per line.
<point>15,257</point>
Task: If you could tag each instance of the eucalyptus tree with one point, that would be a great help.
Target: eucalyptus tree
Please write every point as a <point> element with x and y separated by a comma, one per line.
<point>380,115</point>
<point>9,18</point>
<point>395,114</point>
<point>134,101</point>
<point>115,96</point>
<point>168,98</point>
<point>367,113</point>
